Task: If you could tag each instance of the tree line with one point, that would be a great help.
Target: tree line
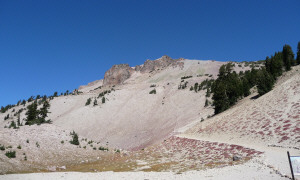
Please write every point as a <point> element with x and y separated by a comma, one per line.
<point>229,87</point>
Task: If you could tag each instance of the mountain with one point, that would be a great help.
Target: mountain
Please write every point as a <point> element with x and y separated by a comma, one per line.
<point>152,118</point>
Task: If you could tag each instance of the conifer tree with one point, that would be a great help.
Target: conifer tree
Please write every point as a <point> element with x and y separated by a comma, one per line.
<point>196,87</point>
<point>88,101</point>
<point>95,102</point>
<point>32,114</point>
<point>74,140</point>
<point>23,102</point>
<point>103,100</point>
<point>265,82</point>
<point>44,110</point>
<point>18,120</point>
<point>288,57</point>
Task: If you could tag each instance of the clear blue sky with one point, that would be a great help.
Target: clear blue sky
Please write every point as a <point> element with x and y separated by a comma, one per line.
<point>48,46</point>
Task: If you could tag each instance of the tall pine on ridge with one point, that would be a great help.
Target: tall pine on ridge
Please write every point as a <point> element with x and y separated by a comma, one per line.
<point>288,57</point>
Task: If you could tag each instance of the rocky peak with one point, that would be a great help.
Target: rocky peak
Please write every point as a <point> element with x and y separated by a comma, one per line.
<point>159,63</point>
<point>117,74</point>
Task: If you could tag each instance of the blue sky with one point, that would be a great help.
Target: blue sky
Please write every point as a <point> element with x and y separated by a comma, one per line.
<point>48,46</point>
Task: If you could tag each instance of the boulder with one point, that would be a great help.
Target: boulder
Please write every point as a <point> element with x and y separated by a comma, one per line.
<point>236,158</point>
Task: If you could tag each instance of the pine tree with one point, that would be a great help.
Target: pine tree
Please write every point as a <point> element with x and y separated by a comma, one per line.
<point>18,120</point>
<point>88,101</point>
<point>44,110</point>
<point>288,57</point>
<point>23,102</point>
<point>265,82</point>
<point>74,140</point>
<point>32,114</point>
<point>95,102</point>
<point>246,87</point>
<point>220,99</point>
<point>196,87</point>
<point>103,100</point>
<point>13,125</point>
<point>298,53</point>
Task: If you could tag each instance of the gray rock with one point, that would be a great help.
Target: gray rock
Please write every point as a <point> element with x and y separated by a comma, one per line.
<point>236,158</point>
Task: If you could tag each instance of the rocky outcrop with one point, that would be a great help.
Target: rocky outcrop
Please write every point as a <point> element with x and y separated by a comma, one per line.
<point>117,74</point>
<point>156,64</point>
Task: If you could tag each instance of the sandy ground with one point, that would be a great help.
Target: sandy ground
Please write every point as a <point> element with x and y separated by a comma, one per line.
<point>250,170</point>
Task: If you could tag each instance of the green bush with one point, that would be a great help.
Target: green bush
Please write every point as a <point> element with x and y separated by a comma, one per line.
<point>11,154</point>
<point>95,102</point>
<point>74,140</point>
<point>186,77</point>
<point>152,92</point>
<point>103,148</point>
<point>13,125</point>
<point>88,101</point>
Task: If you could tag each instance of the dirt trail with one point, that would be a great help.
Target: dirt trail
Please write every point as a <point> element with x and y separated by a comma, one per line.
<point>274,158</point>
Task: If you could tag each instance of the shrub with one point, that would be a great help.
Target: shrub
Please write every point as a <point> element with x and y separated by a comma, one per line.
<point>2,147</point>
<point>62,142</point>
<point>103,148</point>
<point>37,144</point>
<point>19,147</point>
<point>206,103</point>
<point>11,154</point>
<point>6,117</point>
<point>186,77</point>
<point>103,100</point>
<point>152,92</point>
<point>95,102</point>
<point>74,140</point>
<point>88,101</point>
<point>13,125</point>
<point>152,85</point>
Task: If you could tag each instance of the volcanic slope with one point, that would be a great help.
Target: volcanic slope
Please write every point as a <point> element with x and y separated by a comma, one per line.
<point>131,118</point>
<point>270,123</point>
